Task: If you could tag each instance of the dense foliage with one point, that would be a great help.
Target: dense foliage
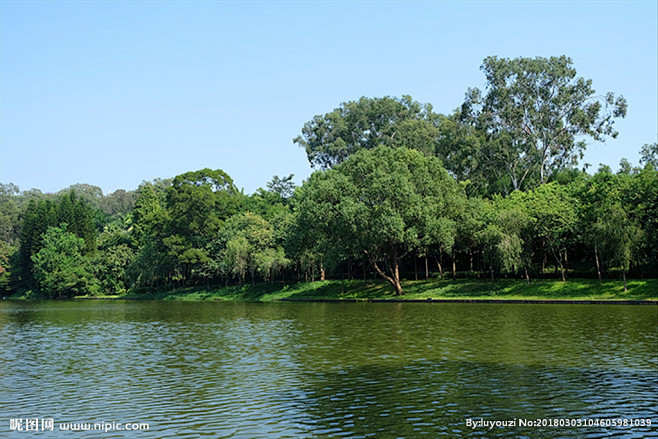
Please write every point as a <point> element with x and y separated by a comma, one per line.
<point>489,191</point>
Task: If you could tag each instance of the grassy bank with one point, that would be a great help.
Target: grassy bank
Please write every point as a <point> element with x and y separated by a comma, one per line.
<point>471,289</point>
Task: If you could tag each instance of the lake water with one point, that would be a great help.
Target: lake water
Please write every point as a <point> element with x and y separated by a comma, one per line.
<point>300,370</point>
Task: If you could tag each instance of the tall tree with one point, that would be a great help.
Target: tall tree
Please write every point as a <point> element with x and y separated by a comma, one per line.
<point>366,124</point>
<point>149,216</point>
<point>38,217</point>
<point>538,114</point>
<point>198,202</point>
<point>42,214</point>
<point>79,215</point>
<point>113,257</point>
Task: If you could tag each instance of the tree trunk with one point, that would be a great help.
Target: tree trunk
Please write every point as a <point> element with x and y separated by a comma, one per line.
<point>623,275</point>
<point>396,268</point>
<point>527,277</point>
<point>415,267</point>
<point>470,254</point>
<point>598,266</point>
<point>454,266</point>
<point>398,286</point>
<point>394,278</point>
<point>565,266</point>
<point>438,264</point>
<point>427,269</point>
<point>322,272</point>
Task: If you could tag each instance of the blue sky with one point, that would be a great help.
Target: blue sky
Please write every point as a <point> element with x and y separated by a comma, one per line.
<point>114,93</point>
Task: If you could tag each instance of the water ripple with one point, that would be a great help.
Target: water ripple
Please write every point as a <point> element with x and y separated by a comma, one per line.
<point>327,370</point>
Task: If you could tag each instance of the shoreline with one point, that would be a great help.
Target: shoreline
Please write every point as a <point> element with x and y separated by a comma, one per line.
<point>518,301</point>
<point>542,291</point>
<point>393,300</point>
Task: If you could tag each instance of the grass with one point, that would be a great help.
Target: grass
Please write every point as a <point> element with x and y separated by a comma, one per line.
<point>436,289</point>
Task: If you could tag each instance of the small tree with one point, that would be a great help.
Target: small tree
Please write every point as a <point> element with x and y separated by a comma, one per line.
<point>553,213</point>
<point>237,257</point>
<point>618,235</point>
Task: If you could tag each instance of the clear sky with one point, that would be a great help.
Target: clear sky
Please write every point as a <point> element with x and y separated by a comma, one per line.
<point>114,93</point>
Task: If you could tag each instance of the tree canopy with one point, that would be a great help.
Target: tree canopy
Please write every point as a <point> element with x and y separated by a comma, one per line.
<point>383,203</point>
<point>366,124</point>
<point>537,115</point>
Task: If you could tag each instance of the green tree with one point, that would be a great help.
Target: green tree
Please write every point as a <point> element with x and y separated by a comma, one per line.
<point>384,203</point>
<point>113,257</point>
<point>641,197</point>
<point>7,252</point>
<point>554,217</point>
<point>471,221</point>
<point>60,269</point>
<point>79,215</point>
<point>118,202</point>
<point>270,262</point>
<point>38,217</point>
<point>44,213</point>
<point>537,114</point>
<point>305,242</point>
<point>468,156</point>
<point>618,236</point>
<point>237,257</point>
<point>149,216</point>
<point>273,202</point>
<point>93,195</point>
<point>198,202</point>
<point>366,124</point>
<point>613,208</point>
<point>514,248</point>
<point>152,266</point>
<point>243,246</point>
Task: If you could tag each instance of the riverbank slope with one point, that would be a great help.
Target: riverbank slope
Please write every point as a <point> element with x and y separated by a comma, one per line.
<point>435,289</point>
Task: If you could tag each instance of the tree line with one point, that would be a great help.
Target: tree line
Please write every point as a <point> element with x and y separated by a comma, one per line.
<point>492,190</point>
